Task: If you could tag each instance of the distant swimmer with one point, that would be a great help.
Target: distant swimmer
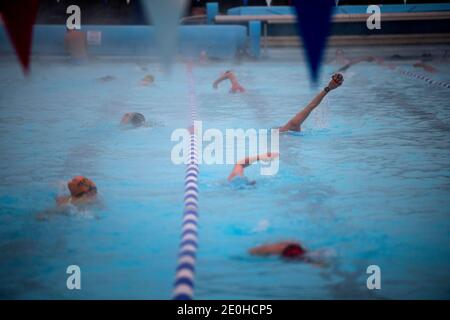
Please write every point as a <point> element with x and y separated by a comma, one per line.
<point>340,57</point>
<point>295,123</point>
<point>425,66</point>
<point>147,80</point>
<point>292,251</point>
<point>82,191</point>
<point>424,57</point>
<point>422,63</point>
<point>346,63</point>
<point>238,170</point>
<point>235,86</point>
<point>106,78</point>
<point>142,66</point>
<point>133,119</point>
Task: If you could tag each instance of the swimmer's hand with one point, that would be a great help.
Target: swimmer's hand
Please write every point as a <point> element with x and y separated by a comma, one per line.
<point>215,84</point>
<point>336,81</point>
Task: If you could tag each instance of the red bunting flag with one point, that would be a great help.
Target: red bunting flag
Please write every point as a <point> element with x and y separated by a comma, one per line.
<point>18,18</point>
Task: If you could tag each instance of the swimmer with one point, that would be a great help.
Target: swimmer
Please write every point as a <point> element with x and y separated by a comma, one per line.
<point>382,62</point>
<point>426,57</point>
<point>355,61</point>
<point>347,63</point>
<point>106,78</point>
<point>235,86</point>
<point>238,170</point>
<point>425,66</point>
<point>340,57</point>
<point>82,191</point>
<point>83,194</point>
<point>147,80</point>
<point>292,251</point>
<point>287,249</point>
<point>295,123</point>
<point>133,119</point>
<point>142,66</point>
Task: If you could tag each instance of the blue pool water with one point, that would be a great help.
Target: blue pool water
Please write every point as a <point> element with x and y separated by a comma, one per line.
<point>368,182</point>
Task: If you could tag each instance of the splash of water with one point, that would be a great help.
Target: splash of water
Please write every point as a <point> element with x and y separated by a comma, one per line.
<point>261,226</point>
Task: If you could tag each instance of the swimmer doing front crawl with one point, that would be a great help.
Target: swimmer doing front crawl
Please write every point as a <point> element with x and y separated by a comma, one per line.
<point>238,170</point>
<point>83,194</point>
<point>293,251</point>
<point>235,85</point>
<point>294,124</point>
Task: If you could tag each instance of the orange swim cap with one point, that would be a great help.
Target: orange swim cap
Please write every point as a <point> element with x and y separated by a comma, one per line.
<point>80,185</point>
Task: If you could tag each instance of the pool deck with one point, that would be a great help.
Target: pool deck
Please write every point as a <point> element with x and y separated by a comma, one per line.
<point>401,24</point>
<point>366,40</point>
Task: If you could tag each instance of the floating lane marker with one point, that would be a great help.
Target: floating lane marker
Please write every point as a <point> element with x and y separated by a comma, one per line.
<point>185,272</point>
<point>415,75</point>
<point>410,74</point>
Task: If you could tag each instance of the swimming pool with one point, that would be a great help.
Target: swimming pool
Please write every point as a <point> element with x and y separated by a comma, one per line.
<point>368,180</point>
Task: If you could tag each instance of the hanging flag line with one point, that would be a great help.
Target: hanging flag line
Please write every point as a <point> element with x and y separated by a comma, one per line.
<point>18,19</point>
<point>185,272</point>
<point>314,26</point>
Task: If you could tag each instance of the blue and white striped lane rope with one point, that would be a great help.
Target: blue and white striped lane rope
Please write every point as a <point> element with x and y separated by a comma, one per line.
<point>410,74</point>
<point>423,77</point>
<point>185,272</point>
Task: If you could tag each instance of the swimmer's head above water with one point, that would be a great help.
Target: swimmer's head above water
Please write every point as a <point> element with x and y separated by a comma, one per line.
<point>81,186</point>
<point>106,78</point>
<point>148,79</point>
<point>81,190</point>
<point>134,119</point>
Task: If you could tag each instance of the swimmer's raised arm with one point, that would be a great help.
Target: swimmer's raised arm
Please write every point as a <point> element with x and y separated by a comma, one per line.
<point>223,77</point>
<point>294,123</point>
<point>238,169</point>
<point>356,61</point>
<point>235,86</point>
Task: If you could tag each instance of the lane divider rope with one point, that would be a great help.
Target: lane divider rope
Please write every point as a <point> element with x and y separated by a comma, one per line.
<point>415,75</point>
<point>410,74</point>
<point>185,271</point>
